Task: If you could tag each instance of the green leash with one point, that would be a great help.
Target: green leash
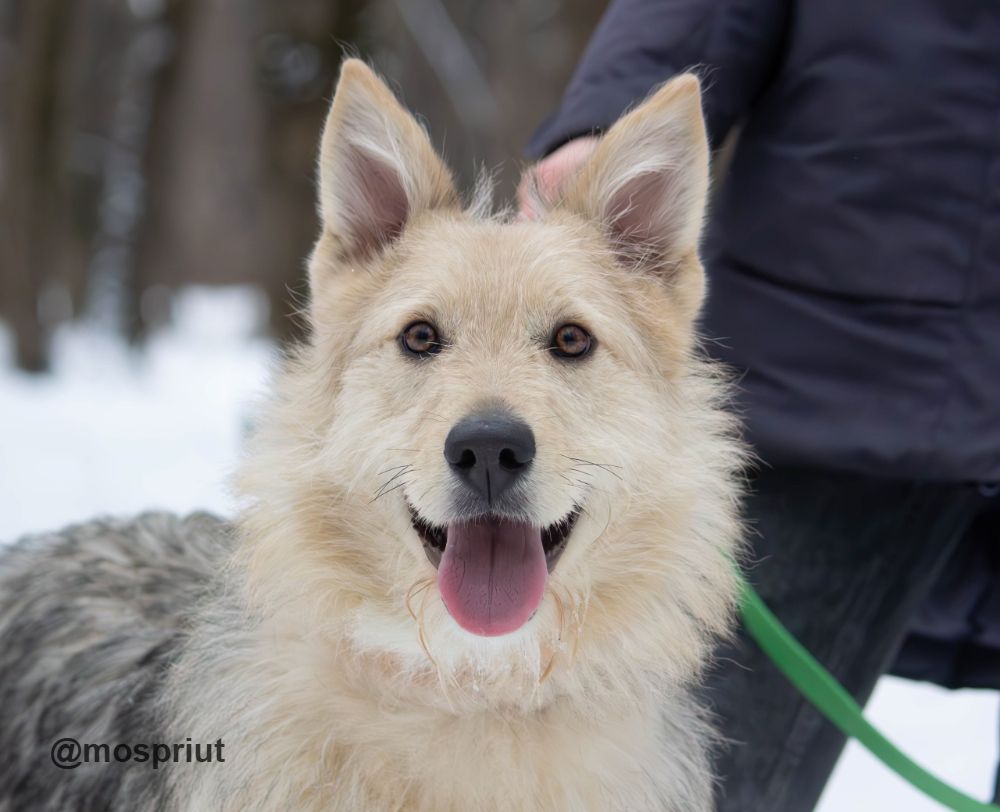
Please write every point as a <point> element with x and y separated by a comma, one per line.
<point>827,695</point>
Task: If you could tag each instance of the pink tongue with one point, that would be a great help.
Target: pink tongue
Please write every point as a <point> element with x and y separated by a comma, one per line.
<point>492,575</point>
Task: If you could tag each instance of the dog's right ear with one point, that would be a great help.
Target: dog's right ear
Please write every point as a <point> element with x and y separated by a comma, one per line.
<point>377,168</point>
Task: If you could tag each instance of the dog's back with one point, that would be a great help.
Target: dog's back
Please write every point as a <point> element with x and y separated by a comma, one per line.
<point>90,618</point>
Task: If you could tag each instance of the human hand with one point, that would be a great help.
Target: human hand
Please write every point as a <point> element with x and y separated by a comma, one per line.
<point>550,175</point>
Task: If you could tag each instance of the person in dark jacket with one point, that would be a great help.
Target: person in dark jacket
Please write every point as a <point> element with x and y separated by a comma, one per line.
<point>853,257</point>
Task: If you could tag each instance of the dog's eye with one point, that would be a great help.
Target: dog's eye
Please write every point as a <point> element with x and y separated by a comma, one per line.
<point>571,341</point>
<point>420,338</point>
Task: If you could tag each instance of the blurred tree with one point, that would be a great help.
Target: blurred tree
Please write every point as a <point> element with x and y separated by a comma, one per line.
<point>33,216</point>
<point>233,167</point>
<point>81,80</point>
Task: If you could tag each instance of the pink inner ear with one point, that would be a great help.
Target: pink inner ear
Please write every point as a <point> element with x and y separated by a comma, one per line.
<point>636,211</point>
<point>380,208</point>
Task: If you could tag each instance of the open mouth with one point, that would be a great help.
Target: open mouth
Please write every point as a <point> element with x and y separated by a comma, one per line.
<point>492,570</point>
<point>435,537</point>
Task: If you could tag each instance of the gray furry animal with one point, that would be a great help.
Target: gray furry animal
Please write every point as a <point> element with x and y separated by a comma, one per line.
<point>491,510</point>
<point>90,620</point>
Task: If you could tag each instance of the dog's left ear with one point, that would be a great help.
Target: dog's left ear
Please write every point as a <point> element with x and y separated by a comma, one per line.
<point>377,168</point>
<point>646,182</point>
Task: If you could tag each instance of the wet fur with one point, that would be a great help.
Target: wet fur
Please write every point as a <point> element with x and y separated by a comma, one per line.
<point>310,636</point>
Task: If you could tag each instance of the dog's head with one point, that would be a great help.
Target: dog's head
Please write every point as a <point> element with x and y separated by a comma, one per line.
<point>498,441</point>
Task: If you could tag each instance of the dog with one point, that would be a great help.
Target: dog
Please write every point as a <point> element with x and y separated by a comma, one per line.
<point>488,525</point>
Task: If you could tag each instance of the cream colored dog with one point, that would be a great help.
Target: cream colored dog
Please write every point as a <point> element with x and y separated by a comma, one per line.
<point>491,508</point>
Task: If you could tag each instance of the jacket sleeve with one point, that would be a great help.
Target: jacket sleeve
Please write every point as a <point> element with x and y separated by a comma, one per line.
<point>733,45</point>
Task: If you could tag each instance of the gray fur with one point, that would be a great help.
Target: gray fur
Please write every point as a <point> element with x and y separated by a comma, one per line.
<point>90,620</point>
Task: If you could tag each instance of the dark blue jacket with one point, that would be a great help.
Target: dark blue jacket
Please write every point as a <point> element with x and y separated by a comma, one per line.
<point>854,249</point>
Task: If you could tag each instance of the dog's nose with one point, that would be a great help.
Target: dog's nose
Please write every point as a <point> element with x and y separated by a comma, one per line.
<point>489,452</point>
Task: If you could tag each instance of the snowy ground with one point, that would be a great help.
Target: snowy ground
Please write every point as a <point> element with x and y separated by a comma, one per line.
<point>115,432</point>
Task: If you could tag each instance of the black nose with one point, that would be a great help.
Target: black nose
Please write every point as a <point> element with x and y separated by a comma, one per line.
<point>489,452</point>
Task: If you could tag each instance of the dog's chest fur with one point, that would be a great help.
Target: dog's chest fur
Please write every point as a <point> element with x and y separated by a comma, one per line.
<point>314,729</point>
<point>323,746</point>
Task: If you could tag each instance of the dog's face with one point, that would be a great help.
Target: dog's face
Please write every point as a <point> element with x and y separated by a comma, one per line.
<point>506,412</point>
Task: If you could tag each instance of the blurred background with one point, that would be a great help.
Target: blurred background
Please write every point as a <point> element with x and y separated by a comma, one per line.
<point>156,206</point>
<point>146,145</point>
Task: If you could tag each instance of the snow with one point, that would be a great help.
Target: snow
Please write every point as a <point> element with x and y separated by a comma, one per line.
<point>114,431</point>
<point>951,733</point>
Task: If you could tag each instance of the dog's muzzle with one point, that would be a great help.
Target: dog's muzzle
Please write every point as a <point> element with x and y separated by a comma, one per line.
<point>492,564</point>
